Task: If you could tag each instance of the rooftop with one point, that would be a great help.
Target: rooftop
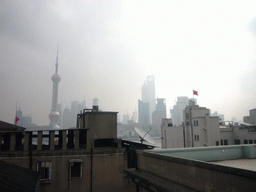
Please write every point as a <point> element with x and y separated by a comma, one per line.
<point>247,164</point>
<point>218,168</point>
<point>237,156</point>
<point>8,127</point>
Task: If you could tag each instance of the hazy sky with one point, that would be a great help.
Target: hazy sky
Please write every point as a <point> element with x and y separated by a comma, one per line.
<point>107,48</point>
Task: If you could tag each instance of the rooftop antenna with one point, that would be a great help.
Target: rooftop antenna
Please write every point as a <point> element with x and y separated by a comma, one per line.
<point>144,136</point>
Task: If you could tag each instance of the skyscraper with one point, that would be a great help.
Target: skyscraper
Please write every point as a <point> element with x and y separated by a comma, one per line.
<point>67,120</point>
<point>177,111</point>
<point>70,115</point>
<point>161,106</point>
<point>148,94</point>
<point>54,114</point>
<point>157,116</point>
<point>143,112</point>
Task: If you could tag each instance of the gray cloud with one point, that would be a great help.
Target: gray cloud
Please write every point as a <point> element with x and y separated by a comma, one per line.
<point>93,60</point>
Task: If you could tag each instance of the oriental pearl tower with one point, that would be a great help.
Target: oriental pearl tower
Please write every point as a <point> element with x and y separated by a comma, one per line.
<point>54,114</point>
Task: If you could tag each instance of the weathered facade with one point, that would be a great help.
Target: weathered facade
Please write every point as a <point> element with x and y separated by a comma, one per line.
<point>200,129</point>
<point>88,158</point>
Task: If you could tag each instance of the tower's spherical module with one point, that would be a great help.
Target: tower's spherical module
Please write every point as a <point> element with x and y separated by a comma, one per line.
<point>54,115</point>
<point>56,78</point>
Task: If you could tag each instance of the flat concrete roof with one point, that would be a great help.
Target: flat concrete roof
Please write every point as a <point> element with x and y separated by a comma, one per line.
<point>211,153</point>
<point>247,164</point>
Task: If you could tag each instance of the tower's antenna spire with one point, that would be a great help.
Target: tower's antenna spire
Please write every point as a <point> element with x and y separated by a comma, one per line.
<point>57,58</point>
<point>54,114</point>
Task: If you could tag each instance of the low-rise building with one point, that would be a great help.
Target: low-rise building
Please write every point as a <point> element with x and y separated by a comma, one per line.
<point>86,158</point>
<point>200,129</point>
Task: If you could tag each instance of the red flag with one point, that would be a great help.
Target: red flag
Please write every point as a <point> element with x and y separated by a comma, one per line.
<point>16,120</point>
<point>195,92</point>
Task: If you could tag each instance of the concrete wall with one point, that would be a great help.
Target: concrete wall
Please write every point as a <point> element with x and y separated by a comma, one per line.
<point>107,172</point>
<point>172,137</point>
<point>198,175</point>
<point>108,160</point>
<point>101,124</point>
<point>205,133</point>
<point>244,134</point>
<point>228,134</point>
<point>252,118</point>
<point>213,130</point>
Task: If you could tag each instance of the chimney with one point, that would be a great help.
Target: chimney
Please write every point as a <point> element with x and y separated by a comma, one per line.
<point>95,107</point>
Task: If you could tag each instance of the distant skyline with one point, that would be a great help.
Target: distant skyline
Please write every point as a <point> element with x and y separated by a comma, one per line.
<point>108,48</point>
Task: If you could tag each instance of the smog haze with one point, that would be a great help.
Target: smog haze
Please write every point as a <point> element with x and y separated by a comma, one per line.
<point>107,48</point>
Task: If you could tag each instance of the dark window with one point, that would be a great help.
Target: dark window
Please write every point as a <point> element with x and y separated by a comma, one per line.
<point>225,142</point>
<point>221,142</point>
<point>71,137</point>
<point>254,141</point>
<point>82,138</point>
<point>6,139</point>
<point>196,137</point>
<point>196,123</point>
<point>76,170</point>
<point>169,124</point>
<point>44,169</point>
<point>237,141</point>
<point>245,141</point>
<point>250,142</point>
<point>217,143</point>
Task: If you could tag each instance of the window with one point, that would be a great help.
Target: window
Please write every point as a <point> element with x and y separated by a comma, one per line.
<point>245,141</point>
<point>196,137</point>
<point>250,142</point>
<point>221,142</point>
<point>75,170</point>
<point>45,170</point>
<point>217,143</point>
<point>75,167</point>
<point>225,142</point>
<point>254,141</point>
<point>237,141</point>
<point>196,123</point>
<point>169,124</point>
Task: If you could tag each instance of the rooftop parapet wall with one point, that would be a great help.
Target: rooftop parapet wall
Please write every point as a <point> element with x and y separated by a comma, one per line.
<point>44,140</point>
<point>187,168</point>
<point>219,153</point>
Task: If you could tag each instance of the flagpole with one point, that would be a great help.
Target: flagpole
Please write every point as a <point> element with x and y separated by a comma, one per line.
<point>16,114</point>
<point>193,96</point>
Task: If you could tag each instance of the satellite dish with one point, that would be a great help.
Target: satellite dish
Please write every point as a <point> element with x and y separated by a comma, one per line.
<point>144,136</point>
